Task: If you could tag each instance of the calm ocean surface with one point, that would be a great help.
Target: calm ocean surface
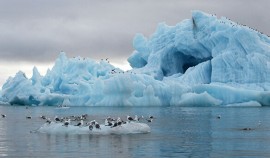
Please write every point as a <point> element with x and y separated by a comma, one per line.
<point>177,132</point>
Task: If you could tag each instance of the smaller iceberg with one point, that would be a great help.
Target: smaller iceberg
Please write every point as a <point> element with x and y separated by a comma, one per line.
<point>128,128</point>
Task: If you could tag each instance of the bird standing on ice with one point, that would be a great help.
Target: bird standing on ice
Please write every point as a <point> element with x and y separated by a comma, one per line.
<point>107,122</point>
<point>97,126</point>
<point>114,125</point>
<point>129,118</point>
<point>136,118</point>
<point>119,121</point>
<point>66,123</point>
<point>90,127</point>
<point>93,122</point>
<point>43,117</point>
<point>48,120</point>
<point>56,119</point>
<point>80,123</point>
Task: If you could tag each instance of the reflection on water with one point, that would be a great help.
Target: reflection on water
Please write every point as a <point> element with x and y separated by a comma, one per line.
<point>228,134</point>
<point>3,139</point>
<point>177,132</point>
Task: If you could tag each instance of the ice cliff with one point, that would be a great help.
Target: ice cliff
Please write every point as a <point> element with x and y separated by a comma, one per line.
<point>202,61</point>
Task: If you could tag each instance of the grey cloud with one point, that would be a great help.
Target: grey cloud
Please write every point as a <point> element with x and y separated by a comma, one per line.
<point>37,30</point>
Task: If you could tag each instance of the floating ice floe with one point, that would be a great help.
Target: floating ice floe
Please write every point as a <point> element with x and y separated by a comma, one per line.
<point>128,128</point>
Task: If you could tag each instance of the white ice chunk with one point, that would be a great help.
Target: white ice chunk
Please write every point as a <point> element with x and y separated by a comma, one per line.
<point>245,104</point>
<point>203,99</point>
<point>128,128</point>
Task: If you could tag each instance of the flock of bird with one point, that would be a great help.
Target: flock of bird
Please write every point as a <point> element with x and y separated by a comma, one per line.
<point>79,121</point>
<point>113,71</point>
<point>109,121</point>
<point>233,24</point>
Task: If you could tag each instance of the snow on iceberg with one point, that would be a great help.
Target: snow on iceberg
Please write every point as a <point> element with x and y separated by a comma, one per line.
<point>128,128</point>
<point>202,61</point>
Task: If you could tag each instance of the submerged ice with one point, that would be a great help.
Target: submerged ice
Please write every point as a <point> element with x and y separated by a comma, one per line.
<point>202,61</point>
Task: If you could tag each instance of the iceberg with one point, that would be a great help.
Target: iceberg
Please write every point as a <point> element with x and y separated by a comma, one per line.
<point>202,61</point>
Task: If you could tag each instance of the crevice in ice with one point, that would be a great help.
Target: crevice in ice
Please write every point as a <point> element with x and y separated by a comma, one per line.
<point>210,71</point>
<point>194,26</point>
<point>16,100</point>
<point>178,62</point>
<point>32,100</point>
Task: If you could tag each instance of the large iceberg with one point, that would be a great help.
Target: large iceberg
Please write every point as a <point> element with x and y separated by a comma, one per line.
<point>202,61</point>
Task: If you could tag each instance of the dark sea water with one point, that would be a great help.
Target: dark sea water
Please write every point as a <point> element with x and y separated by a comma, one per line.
<point>177,132</point>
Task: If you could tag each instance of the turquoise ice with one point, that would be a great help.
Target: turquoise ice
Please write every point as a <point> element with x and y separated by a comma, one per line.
<point>202,61</point>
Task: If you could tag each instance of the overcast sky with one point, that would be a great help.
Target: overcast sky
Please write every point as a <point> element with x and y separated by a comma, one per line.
<point>33,32</point>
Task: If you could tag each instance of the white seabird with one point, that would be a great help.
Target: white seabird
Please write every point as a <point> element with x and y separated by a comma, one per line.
<point>90,127</point>
<point>43,117</point>
<point>80,123</point>
<point>129,118</point>
<point>56,119</point>
<point>95,123</point>
<point>136,118</point>
<point>66,123</point>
